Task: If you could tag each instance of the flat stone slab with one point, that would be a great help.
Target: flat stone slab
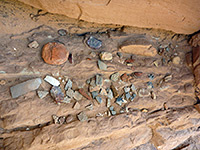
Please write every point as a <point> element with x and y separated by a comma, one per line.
<point>141,46</point>
<point>144,50</point>
<point>51,80</point>
<point>25,87</point>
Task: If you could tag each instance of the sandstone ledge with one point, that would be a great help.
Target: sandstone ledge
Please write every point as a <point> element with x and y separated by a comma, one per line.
<point>180,17</point>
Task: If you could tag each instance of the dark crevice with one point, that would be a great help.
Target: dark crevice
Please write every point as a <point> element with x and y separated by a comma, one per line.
<point>26,32</point>
<point>26,128</point>
<point>108,2</point>
<point>185,144</point>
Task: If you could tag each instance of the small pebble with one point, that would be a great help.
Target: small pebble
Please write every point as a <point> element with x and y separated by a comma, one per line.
<point>67,100</point>
<point>167,78</point>
<point>133,89</point>
<point>102,65</point>
<point>62,120</point>
<point>151,76</point>
<point>2,82</point>
<point>127,89</point>
<point>77,96</point>
<point>153,95</point>
<point>133,97</point>
<point>108,103</point>
<point>59,120</point>
<point>129,64</point>
<point>176,60</point>
<point>49,36</point>
<point>103,92</point>
<point>94,88</point>
<point>124,109</point>
<point>88,81</point>
<point>150,85</point>
<point>127,95</point>
<point>99,80</point>
<point>93,54</point>
<point>107,80</point>
<point>94,43</point>
<point>108,113</point>
<point>119,54</point>
<point>125,77</point>
<point>55,73</point>
<point>94,94</point>
<point>2,72</point>
<point>129,60</point>
<point>68,84</point>
<point>69,118</point>
<point>120,101</point>
<point>83,93</point>
<point>90,107</point>
<point>66,78</point>
<point>76,105</point>
<point>115,76</point>
<point>137,74</point>
<point>62,32</point>
<point>33,44</point>
<point>144,110</point>
<point>57,93</point>
<point>143,92</point>
<point>82,117</point>
<point>167,49</point>
<point>99,99</point>
<point>105,56</point>
<point>55,119</point>
<point>92,82</point>
<point>114,90</point>
<point>99,115</point>
<point>156,63</point>
<point>111,108</point>
<point>42,94</point>
<point>113,112</point>
<point>70,93</point>
<point>109,93</point>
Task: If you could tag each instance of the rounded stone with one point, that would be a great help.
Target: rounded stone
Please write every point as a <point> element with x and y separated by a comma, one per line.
<point>105,56</point>
<point>176,60</point>
<point>69,118</point>
<point>62,32</point>
<point>55,53</point>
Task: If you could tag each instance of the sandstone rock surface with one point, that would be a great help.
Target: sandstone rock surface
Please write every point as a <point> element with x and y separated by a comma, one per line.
<point>168,122</point>
<point>180,17</point>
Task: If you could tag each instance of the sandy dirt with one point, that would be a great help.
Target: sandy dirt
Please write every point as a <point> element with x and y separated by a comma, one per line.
<point>170,121</point>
